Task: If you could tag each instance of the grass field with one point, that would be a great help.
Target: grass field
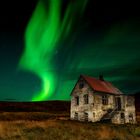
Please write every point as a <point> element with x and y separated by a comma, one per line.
<point>51,126</point>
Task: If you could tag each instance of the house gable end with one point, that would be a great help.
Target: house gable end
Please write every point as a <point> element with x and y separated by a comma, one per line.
<point>78,88</point>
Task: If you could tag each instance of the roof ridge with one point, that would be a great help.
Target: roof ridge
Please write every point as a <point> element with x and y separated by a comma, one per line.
<point>101,86</point>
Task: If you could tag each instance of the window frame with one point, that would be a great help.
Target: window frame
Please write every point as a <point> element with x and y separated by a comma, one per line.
<point>86,99</point>
<point>81,84</point>
<point>105,99</point>
<point>131,118</point>
<point>122,115</point>
<point>86,116</point>
<point>75,116</point>
<point>77,100</point>
<point>130,101</point>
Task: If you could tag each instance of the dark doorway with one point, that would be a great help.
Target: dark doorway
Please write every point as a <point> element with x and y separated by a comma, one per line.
<point>118,103</point>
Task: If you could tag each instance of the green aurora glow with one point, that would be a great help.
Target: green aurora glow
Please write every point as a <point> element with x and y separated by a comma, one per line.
<point>43,34</point>
<point>58,49</point>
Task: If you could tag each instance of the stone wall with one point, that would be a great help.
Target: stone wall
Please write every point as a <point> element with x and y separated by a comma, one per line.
<point>95,108</point>
<point>127,114</point>
<point>130,115</point>
<point>82,107</point>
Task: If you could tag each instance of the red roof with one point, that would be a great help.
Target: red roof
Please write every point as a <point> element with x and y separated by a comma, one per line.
<point>101,85</point>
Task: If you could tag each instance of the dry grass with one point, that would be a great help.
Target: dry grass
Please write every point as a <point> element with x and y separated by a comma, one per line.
<point>52,128</point>
<point>14,116</point>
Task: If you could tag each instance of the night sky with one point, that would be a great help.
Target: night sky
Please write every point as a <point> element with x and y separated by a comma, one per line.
<point>38,61</point>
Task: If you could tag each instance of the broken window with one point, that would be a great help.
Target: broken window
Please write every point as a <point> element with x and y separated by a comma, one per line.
<point>86,99</point>
<point>122,116</point>
<point>131,118</point>
<point>105,100</point>
<point>93,115</point>
<point>86,116</point>
<point>130,101</point>
<point>76,116</point>
<point>81,84</point>
<point>77,100</point>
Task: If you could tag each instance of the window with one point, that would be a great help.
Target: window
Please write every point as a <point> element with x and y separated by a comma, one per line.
<point>86,116</point>
<point>130,101</point>
<point>130,118</point>
<point>122,116</point>
<point>76,116</point>
<point>105,100</point>
<point>77,100</point>
<point>86,99</point>
<point>81,85</point>
<point>93,115</point>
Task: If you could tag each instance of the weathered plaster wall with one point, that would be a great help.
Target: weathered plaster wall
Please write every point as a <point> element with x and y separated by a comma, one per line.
<point>130,109</point>
<point>82,107</point>
<point>96,109</point>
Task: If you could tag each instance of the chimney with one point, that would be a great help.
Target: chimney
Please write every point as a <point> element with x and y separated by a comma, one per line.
<point>101,77</point>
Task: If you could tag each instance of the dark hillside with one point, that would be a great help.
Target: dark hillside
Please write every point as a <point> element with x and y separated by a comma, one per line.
<point>47,106</point>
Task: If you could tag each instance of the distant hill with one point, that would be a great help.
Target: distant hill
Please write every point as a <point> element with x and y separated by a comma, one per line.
<point>47,106</point>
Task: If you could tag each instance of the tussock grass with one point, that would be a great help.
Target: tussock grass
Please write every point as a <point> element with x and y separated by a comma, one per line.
<point>14,116</point>
<point>53,128</point>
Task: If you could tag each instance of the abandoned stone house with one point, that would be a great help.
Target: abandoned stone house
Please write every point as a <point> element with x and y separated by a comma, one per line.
<point>98,100</point>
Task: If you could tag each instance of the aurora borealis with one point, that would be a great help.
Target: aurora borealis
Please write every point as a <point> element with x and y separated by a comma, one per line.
<point>63,39</point>
<point>43,35</point>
